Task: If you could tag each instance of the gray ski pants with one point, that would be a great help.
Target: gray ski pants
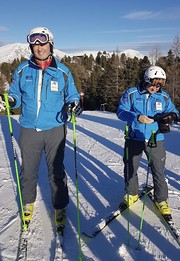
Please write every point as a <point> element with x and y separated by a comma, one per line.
<point>32,145</point>
<point>134,151</point>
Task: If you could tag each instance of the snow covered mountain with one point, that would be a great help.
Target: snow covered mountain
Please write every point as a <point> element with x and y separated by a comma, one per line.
<point>10,52</point>
<point>13,51</point>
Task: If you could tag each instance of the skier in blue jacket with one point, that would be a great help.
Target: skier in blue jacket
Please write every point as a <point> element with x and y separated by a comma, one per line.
<point>44,88</point>
<point>148,111</point>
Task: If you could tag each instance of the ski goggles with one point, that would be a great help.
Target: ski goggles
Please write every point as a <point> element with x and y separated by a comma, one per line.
<point>158,83</point>
<point>40,37</point>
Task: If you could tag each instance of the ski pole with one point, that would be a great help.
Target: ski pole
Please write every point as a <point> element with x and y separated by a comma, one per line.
<point>151,144</point>
<point>15,159</point>
<point>127,187</point>
<point>73,118</point>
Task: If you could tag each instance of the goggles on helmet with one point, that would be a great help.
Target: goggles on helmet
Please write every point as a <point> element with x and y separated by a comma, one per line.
<point>40,37</point>
<point>156,82</point>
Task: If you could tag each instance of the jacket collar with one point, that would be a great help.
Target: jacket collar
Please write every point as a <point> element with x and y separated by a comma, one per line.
<point>52,69</point>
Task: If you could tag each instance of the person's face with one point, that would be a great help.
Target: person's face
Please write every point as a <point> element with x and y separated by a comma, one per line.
<point>152,88</point>
<point>155,86</point>
<point>41,51</point>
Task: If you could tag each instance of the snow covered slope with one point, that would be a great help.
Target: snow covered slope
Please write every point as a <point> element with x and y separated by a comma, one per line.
<point>100,140</point>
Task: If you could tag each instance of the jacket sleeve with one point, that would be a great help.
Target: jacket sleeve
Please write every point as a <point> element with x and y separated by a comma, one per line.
<point>124,111</point>
<point>170,107</point>
<point>14,89</point>
<point>71,90</point>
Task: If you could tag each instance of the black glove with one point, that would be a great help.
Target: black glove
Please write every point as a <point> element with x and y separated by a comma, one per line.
<point>75,107</point>
<point>164,120</point>
<point>164,127</point>
<point>167,117</point>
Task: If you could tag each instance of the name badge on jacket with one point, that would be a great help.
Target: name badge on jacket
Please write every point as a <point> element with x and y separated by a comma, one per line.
<point>54,86</point>
<point>158,106</point>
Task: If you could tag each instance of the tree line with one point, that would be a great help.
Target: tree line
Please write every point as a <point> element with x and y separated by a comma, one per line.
<point>102,80</point>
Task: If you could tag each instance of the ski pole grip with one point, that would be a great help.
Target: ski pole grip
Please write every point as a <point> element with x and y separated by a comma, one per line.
<point>8,112</point>
<point>6,100</point>
<point>126,132</point>
<point>152,141</point>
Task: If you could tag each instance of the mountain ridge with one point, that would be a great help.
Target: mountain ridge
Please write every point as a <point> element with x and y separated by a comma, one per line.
<point>10,52</point>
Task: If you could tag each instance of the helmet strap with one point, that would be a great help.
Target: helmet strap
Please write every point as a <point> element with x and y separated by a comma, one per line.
<point>51,48</point>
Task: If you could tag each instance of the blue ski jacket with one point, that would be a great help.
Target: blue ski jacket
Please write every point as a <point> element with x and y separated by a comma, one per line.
<point>136,101</point>
<point>43,94</point>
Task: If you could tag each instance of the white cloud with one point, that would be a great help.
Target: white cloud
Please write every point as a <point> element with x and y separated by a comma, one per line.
<point>3,29</point>
<point>165,14</point>
<point>141,15</point>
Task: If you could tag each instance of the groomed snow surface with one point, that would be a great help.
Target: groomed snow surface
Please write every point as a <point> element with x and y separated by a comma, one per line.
<point>100,141</point>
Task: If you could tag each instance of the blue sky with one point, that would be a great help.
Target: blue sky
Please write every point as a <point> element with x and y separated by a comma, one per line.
<point>100,25</point>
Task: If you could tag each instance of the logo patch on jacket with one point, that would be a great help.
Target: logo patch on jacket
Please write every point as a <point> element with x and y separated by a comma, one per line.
<point>28,78</point>
<point>54,86</point>
<point>158,106</point>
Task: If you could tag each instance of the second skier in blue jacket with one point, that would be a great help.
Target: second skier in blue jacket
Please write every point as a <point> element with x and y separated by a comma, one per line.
<point>148,111</point>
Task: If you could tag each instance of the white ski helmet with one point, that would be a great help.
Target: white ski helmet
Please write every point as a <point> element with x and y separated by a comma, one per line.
<point>41,30</point>
<point>154,72</point>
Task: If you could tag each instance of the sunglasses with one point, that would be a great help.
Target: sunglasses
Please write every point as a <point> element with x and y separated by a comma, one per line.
<point>33,38</point>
